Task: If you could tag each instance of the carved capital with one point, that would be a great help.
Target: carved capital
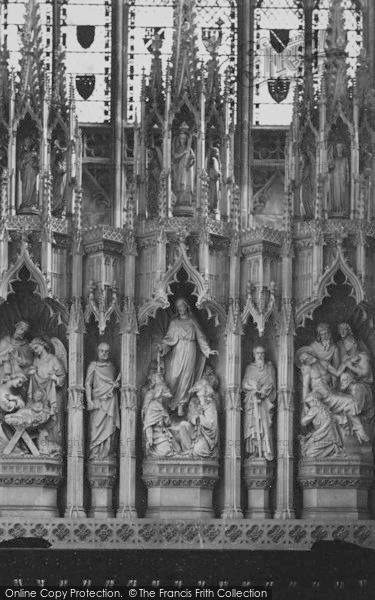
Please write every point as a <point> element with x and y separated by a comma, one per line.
<point>285,400</point>
<point>233,399</point>
<point>128,398</point>
<point>75,398</point>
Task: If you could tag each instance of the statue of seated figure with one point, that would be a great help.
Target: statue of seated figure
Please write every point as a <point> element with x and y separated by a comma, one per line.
<point>200,433</point>
<point>159,440</point>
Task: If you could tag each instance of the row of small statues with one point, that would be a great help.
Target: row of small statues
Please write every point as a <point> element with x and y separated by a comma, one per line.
<point>29,165</point>
<point>180,398</point>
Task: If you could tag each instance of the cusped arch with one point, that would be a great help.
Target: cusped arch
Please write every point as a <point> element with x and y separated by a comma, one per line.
<point>162,292</point>
<point>339,264</point>
<point>12,275</point>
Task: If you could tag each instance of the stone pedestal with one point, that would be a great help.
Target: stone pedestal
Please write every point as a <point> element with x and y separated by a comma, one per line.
<point>336,488</point>
<point>102,475</point>
<point>28,486</point>
<point>180,488</point>
<point>258,475</point>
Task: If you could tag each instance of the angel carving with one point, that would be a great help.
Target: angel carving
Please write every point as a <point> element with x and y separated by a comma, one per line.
<point>48,375</point>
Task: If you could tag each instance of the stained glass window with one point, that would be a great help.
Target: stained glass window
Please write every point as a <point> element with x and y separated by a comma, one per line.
<point>146,16</point>
<point>278,51</point>
<point>86,38</point>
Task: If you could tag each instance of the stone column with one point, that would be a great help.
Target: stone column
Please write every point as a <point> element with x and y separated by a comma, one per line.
<point>285,400</point>
<point>285,409</point>
<point>128,330</point>
<point>4,207</point>
<point>233,436</point>
<point>75,457</point>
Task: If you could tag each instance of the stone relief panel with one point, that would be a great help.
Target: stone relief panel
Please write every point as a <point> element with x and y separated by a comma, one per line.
<point>337,410</point>
<point>180,409</point>
<point>33,400</point>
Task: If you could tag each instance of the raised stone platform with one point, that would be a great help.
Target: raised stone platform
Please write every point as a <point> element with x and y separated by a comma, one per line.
<point>258,476</point>
<point>336,488</point>
<point>28,486</point>
<point>180,488</point>
<point>102,476</point>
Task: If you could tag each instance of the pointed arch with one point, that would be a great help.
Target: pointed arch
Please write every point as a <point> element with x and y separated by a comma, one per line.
<point>339,264</point>
<point>12,275</point>
<point>162,291</point>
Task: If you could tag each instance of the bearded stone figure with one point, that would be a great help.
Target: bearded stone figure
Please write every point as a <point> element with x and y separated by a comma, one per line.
<point>101,386</point>
<point>259,384</point>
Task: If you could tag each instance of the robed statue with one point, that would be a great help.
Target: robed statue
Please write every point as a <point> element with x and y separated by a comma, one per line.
<point>188,349</point>
<point>215,177</point>
<point>101,386</point>
<point>339,181</point>
<point>183,165</point>
<point>59,178</point>
<point>29,169</point>
<point>259,385</point>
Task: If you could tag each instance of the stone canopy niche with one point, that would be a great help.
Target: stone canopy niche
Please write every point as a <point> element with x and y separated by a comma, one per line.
<point>33,379</point>
<point>335,388</point>
<point>179,410</point>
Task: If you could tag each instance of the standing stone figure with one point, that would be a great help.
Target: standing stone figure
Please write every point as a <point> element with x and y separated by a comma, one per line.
<point>183,340</point>
<point>29,169</point>
<point>183,166</point>
<point>339,182</point>
<point>307,189</point>
<point>101,387</point>
<point>47,376</point>
<point>15,353</point>
<point>154,169</point>
<point>215,176</point>
<point>59,176</point>
<point>259,383</point>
